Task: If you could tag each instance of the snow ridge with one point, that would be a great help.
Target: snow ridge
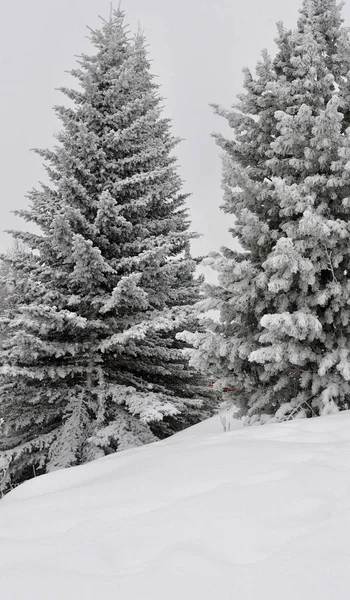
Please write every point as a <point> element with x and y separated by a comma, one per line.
<point>260,512</point>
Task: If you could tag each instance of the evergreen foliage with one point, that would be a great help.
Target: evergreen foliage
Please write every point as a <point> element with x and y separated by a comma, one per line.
<point>91,362</point>
<point>283,338</point>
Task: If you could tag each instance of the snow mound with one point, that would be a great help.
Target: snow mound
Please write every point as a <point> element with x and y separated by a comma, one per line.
<point>261,513</point>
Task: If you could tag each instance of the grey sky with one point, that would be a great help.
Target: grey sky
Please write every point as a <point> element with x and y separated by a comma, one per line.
<point>198,49</point>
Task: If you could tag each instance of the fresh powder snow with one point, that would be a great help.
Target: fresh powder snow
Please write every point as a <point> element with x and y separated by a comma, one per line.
<point>260,513</point>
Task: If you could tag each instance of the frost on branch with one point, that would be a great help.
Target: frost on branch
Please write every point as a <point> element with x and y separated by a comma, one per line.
<point>283,296</point>
<point>91,351</point>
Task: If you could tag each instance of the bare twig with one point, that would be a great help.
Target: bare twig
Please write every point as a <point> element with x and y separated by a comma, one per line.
<point>331,268</point>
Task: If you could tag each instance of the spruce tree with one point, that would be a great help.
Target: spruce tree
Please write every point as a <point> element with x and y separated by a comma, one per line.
<point>92,363</point>
<point>283,337</point>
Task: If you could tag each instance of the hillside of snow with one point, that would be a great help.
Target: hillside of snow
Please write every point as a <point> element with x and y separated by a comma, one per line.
<point>261,513</point>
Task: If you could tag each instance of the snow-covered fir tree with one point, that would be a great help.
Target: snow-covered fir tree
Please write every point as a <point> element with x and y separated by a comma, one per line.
<point>283,336</point>
<point>91,362</point>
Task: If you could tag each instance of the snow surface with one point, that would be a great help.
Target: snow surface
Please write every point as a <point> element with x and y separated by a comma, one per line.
<point>261,513</point>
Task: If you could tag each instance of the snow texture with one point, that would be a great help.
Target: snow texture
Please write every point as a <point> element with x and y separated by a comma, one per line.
<point>262,513</point>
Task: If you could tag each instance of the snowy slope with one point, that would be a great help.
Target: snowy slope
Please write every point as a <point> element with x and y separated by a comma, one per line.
<point>260,513</point>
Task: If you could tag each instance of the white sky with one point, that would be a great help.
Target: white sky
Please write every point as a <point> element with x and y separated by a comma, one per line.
<point>198,47</point>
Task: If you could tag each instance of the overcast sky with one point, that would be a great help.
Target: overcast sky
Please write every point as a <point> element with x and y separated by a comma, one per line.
<point>198,48</point>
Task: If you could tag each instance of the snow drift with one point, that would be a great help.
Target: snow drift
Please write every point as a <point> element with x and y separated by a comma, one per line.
<point>262,513</point>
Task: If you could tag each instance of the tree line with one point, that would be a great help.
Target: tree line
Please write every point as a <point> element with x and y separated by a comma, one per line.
<point>103,343</point>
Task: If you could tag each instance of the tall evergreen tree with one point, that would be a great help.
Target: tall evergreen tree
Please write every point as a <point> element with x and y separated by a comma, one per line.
<point>92,363</point>
<point>283,337</point>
